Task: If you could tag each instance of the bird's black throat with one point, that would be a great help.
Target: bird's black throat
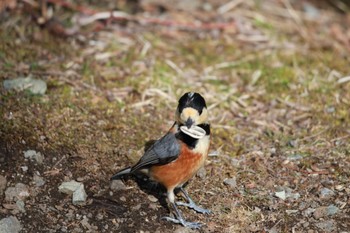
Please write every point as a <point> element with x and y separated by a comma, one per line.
<point>188,140</point>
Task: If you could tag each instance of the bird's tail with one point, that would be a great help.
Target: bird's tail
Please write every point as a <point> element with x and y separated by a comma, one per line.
<point>125,171</point>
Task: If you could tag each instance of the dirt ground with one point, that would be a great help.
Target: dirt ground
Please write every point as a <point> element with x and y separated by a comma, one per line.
<point>275,75</point>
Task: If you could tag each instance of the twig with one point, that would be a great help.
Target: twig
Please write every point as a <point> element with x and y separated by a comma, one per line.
<point>343,80</point>
<point>294,105</point>
<point>296,18</point>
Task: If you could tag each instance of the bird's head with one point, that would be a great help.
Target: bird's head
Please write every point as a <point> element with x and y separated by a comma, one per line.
<point>192,110</point>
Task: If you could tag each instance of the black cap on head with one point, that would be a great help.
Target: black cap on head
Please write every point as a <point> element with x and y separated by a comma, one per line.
<point>193,100</point>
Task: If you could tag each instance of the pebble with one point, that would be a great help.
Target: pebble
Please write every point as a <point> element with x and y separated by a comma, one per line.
<point>136,207</point>
<point>117,185</point>
<point>326,193</point>
<point>231,182</point>
<point>3,183</point>
<point>35,86</point>
<point>327,226</point>
<point>152,198</point>
<point>10,225</point>
<point>324,211</point>
<point>339,187</point>
<point>287,193</point>
<point>75,188</point>
<point>38,180</point>
<point>79,196</point>
<point>33,155</point>
<point>282,195</point>
<point>19,192</point>
<point>20,205</point>
<point>69,187</point>
<point>202,173</point>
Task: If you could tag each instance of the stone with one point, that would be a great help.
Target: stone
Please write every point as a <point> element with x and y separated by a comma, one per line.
<point>202,173</point>
<point>20,205</point>
<point>287,193</point>
<point>332,209</point>
<point>75,188</point>
<point>327,226</point>
<point>79,195</point>
<point>35,86</point>
<point>33,155</point>
<point>281,195</point>
<point>10,225</point>
<point>324,211</point>
<point>326,193</point>
<point>19,192</point>
<point>38,180</point>
<point>69,187</point>
<point>117,185</point>
<point>231,182</point>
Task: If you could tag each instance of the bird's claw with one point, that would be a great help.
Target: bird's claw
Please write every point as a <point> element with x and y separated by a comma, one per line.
<point>192,225</point>
<point>193,206</point>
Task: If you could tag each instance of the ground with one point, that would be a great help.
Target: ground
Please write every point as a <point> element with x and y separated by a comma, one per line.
<point>274,74</point>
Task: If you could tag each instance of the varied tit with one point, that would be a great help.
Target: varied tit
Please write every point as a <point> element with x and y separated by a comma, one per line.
<point>176,157</point>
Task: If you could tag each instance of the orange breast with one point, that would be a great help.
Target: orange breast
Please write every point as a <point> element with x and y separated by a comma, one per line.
<point>179,171</point>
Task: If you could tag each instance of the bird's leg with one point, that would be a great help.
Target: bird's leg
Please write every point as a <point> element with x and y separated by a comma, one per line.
<point>191,203</point>
<point>180,220</point>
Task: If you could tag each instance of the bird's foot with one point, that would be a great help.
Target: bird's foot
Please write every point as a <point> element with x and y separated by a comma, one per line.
<point>192,225</point>
<point>195,207</point>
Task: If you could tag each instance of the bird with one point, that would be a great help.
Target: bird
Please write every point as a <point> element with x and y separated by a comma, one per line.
<point>177,156</point>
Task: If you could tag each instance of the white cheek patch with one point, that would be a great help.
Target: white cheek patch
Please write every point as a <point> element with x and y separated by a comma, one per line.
<point>194,132</point>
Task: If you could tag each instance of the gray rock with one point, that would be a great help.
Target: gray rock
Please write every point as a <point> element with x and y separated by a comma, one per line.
<point>287,193</point>
<point>3,183</point>
<point>327,226</point>
<point>324,211</point>
<point>326,193</point>
<point>79,195</point>
<point>69,187</point>
<point>10,225</point>
<point>117,185</point>
<point>35,86</point>
<point>38,180</point>
<point>231,182</point>
<point>19,192</point>
<point>24,168</point>
<point>33,155</point>
<point>282,195</point>
<point>202,173</point>
<point>20,205</point>
<point>332,209</point>
<point>75,188</point>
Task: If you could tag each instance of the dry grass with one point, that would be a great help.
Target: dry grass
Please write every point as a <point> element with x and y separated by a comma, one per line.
<point>276,85</point>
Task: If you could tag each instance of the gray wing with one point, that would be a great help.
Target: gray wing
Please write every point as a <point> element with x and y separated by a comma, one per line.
<point>163,151</point>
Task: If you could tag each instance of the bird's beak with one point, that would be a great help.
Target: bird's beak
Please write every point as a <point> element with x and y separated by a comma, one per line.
<point>189,123</point>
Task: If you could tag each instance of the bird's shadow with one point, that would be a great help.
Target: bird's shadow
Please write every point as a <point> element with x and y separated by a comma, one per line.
<point>147,185</point>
